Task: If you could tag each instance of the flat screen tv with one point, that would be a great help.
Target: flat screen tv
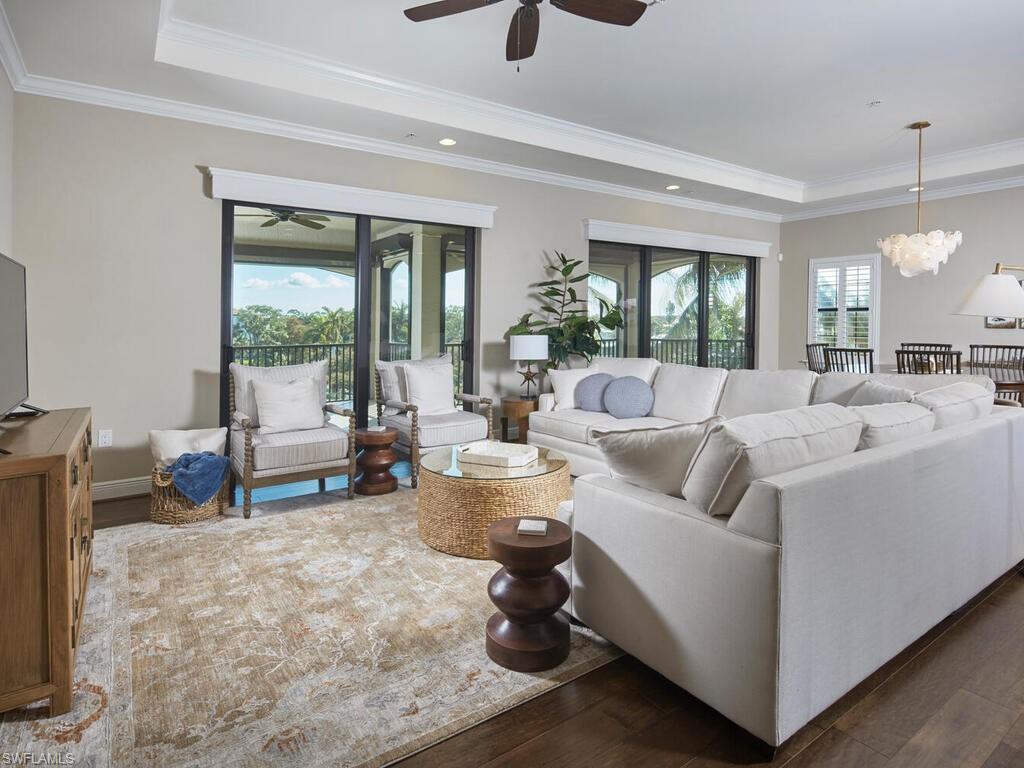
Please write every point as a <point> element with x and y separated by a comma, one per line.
<point>13,336</point>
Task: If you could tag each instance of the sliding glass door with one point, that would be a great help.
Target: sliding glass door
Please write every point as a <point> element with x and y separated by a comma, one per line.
<point>301,286</point>
<point>689,307</point>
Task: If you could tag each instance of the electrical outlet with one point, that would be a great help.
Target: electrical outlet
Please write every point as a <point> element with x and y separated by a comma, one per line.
<point>105,438</point>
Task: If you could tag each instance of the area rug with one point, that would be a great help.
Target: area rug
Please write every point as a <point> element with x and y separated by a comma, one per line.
<point>319,632</point>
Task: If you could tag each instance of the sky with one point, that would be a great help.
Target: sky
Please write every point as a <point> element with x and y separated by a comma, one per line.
<point>308,289</point>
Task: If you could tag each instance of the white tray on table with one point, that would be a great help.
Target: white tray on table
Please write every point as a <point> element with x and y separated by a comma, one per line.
<point>495,454</point>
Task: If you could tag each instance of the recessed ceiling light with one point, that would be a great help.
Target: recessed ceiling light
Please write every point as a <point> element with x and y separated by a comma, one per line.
<point>672,187</point>
<point>915,189</point>
<point>447,142</point>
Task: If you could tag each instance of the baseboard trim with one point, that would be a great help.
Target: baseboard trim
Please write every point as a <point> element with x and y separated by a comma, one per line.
<point>119,489</point>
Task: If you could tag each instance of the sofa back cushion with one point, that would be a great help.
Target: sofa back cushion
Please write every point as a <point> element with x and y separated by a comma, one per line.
<point>890,422</point>
<point>655,459</point>
<point>838,387</point>
<point>738,451</point>
<point>244,375</point>
<point>564,382</point>
<point>687,394</point>
<point>747,392</point>
<point>875,393</point>
<point>956,403</point>
<point>642,367</point>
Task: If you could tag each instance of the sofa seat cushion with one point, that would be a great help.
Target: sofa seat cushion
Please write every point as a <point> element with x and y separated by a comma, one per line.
<point>747,392</point>
<point>686,393</point>
<point>839,387</point>
<point>630,425</point>
<point>891,422</point>
<point>287,450</point>
<point>956,403</point>
<point>642,367</point>
<point>440,429</point>
<point>572,424</point>
<point>737,452</point>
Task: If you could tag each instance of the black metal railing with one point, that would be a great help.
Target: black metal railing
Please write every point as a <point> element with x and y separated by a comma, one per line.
<point>609,348</point>
<point>722,353</point>
<point>340,363</point>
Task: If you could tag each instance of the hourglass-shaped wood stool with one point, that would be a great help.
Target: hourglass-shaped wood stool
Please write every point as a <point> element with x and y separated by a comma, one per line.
<point>375,460</point>
<point>528,633</point>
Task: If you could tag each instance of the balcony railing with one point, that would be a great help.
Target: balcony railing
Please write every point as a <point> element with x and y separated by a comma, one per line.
<point>340,362</point>
<point>722,353</point>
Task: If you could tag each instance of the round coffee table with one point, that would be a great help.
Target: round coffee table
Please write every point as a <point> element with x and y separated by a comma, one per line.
<point>528,633</point>
<point>455,510</point>
<point>373,465</point>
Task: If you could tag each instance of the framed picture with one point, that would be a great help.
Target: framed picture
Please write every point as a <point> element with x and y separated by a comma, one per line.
<point>1000,322</point>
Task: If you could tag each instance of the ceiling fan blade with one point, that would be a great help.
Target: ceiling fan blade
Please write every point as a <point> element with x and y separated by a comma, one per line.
<point>625,13</point>
<point>445,8</point>
<point>306,222</point>
<point>253,215</point>
<point>270,222</point>
<point>523,33</point>
<point>315,217</point>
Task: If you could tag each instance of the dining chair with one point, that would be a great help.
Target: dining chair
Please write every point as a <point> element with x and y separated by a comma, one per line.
<point>849,360</point>
<point>1004,364</point>
<point>816,357</point>
<point>928,361</point>
<point>926,347</point>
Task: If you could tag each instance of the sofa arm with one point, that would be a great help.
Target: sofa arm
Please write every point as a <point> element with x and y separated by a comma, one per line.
<point>401,406</point>
<point>467,398</point>
<point>239,419</point>
<point>339,411</point>
<point>546,402</point>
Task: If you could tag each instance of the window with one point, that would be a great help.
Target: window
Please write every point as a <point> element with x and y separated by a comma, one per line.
<point>842,301</point>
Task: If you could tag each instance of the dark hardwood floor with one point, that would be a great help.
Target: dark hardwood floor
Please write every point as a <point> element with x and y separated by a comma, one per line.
<point>954,698</point>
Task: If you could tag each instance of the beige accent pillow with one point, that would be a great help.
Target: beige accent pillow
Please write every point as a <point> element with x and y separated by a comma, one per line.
<point>655,459</point>
<point>167,445</point>
<point>890,422</point>
<point>392,377</point>
<point>956,403</point>
<point>288,407</point>
<point>431,388</point>
<point>747,448</point>
<point>876,393</point>
<point>564,381</point>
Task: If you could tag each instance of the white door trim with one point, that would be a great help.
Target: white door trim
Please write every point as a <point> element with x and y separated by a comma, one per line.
<point>633,234</point>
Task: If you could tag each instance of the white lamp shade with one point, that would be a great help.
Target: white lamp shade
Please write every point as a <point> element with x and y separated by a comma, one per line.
<point>995,296</point>
<point>528,347</point>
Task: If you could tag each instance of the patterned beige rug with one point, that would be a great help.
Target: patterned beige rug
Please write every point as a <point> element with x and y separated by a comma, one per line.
<point>320,632</point>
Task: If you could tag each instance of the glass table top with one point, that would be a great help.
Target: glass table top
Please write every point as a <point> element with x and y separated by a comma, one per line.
<point>440,462</point>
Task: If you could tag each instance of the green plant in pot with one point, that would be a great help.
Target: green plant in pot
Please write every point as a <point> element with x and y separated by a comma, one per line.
<point>564,318</point>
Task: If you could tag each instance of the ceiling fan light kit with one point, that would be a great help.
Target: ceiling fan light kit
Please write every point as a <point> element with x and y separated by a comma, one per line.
<point>916,254</point>
<point>524,30</point>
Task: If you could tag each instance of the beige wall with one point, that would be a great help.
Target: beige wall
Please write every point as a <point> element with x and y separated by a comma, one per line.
<point>912,309</point>
<point>123,251</point>
<point>6,164</point>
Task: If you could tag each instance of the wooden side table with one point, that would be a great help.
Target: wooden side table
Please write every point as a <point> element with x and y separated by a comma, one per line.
<point>528,633</point>
<point>517,408</point>
<point>375,461</point>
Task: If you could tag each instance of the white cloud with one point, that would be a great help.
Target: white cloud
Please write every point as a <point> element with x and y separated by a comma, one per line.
<point>304,280</point>
<point>258,284</point>
<point>296,280</point>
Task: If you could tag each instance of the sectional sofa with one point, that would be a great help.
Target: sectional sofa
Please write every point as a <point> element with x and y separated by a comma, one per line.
<point>819,575</point>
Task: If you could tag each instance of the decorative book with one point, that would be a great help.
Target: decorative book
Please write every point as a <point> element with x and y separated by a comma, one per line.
<point>497,454</point>
<point>533,527</point>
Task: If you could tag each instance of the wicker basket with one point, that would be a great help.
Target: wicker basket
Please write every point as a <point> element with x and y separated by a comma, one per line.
<point>169,507</point>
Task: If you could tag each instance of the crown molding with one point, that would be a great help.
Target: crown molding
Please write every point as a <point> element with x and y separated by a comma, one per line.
<point>193,46</point>
<point>906,198</point>
<point>658,237</point>
<point>10,54</point>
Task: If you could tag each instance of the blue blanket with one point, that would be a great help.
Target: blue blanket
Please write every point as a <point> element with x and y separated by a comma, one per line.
<point>199,475</point>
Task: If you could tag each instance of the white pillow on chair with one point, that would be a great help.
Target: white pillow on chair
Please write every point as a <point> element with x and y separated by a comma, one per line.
<point>288,407</point>
<point>431,388</point>
<point>167,445</point>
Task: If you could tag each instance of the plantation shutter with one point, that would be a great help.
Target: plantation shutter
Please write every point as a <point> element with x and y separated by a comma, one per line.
<point>842,306</point>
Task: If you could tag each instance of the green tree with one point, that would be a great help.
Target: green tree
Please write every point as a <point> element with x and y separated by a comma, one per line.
<point>454,324</point>
<point>259,324</point>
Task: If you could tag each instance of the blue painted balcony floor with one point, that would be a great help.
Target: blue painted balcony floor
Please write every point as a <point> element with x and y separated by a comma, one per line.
<point>401,470</point>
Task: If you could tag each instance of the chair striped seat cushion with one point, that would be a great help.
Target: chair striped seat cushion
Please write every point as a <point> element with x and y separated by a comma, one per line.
<point>293,450</point>
<point>440,429</point>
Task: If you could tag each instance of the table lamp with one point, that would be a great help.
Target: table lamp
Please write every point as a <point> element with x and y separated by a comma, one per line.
<point>531,348</point>
<point>996,295</point>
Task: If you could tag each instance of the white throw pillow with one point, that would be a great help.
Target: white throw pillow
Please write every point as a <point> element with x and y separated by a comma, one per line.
<point>245,375</point>
<point>564,381</point>
<point>747,448</point>
<point>876,393</point>
<point>431,388</point>
<point>393,383</point>
<point>288,407</point>
<point>655,459</point>
<point>956,403</point>
<point>167,445</point>
<point>890,422</point>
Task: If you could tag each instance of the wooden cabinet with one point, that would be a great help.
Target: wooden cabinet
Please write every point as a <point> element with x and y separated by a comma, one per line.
<point>45,554</point>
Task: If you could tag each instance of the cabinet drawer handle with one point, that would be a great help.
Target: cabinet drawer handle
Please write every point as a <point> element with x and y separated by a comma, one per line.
<point>74,473</point>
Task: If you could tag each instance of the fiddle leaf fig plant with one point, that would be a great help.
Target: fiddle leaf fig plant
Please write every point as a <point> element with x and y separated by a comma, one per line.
<point>563,315</point>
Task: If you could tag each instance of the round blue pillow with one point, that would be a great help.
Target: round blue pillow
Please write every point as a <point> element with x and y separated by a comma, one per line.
<point>590,392</point>
<point>628,398</point>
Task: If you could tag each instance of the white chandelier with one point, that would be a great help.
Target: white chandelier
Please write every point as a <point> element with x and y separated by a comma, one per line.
<point>919,253</point>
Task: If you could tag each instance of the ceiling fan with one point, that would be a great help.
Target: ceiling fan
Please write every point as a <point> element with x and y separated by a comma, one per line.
<point>277,216</point>
<point>525,28</point>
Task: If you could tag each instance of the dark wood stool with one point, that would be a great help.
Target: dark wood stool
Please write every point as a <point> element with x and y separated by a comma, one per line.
<point>375,461</point>
<point>528,633</point>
